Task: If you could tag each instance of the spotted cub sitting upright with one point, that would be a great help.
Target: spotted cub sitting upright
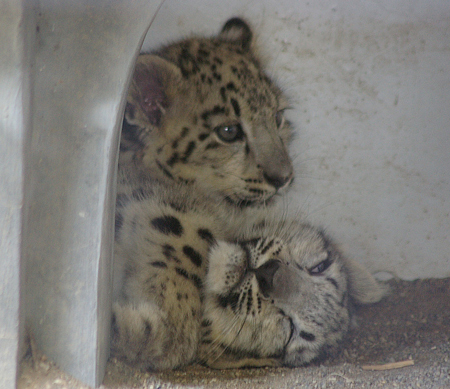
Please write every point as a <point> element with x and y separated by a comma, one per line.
<point>204,142</point>
<point>202,110</point>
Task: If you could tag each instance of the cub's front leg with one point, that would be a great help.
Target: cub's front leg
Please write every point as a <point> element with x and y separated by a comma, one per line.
<point>158,333</point>
<point>156,317</point>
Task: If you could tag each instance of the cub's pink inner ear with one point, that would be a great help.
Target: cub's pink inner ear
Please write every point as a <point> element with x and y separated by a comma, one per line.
<point>153,99</point>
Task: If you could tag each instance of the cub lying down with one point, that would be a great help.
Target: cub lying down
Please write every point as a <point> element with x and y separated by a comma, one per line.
<point>280,296</point>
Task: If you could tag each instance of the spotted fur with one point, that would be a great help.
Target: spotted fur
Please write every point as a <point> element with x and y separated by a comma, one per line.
<point>161,254</point>
<point>203,142</point>
<point>203,111</point>
<point>203,152</point>
<point>279,297</point>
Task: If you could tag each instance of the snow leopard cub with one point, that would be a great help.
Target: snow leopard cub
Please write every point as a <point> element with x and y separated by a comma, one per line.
<point>203,110</point>
<point>204,142</point>
<point>279,296</point>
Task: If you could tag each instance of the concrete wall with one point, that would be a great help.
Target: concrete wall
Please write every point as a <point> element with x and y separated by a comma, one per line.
<point>370,86</point>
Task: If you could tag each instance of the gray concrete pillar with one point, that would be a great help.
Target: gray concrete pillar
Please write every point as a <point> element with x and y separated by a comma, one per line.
<point>60,121</point>
<point>16,49</point>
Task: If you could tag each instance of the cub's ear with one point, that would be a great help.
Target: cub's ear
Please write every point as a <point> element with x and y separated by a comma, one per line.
<point>154,85</point>
<point>237,31</point>
<point>363,287</point>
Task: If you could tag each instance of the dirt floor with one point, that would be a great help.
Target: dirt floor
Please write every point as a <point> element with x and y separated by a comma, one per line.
<point>412,325</point>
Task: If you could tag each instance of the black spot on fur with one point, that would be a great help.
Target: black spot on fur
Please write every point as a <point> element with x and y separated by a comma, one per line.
<point>187,153</point>
<point>169,252</point>
<point>173,159</point>
<point>164,170</point>
<point>205,234</point>
<point>237,109</point>
<point>203,53</point>
<point>187,62</point>
<point>183,273</point>
<point>159,264</point>
<point>197,281</point>
<point>228,300</point>
<point>193,255</point>
<point>307,336</point>
<point>231,86</point>
<point>249,302</point>
<point>206,333</point>
<point>217,110</point>
<point>168,225</point>
<point>202,137</point>
<point>184,132</point>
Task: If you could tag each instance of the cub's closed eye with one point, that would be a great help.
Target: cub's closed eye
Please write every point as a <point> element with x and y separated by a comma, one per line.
<point>230,133</point>
<point>321,267</point>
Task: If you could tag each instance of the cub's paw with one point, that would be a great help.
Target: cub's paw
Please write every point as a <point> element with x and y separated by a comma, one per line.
<point>135,331</point>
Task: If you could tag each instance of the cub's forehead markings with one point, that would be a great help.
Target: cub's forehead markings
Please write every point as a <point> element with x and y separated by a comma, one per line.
<point>236,107</point>
<point>187,153</point>
<point>223,94</point>
<point>216,110</point>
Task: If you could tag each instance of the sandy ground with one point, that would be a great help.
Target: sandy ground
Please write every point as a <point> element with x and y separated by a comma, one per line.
<point>412,324</point>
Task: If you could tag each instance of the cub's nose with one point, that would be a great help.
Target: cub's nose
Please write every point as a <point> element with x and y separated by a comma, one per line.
<point>278,180</point>
<point>264,275</point>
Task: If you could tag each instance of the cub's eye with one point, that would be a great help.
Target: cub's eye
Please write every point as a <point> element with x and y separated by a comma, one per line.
<point>321,267</point>
<point>229,134</point>
<point>279,118</point>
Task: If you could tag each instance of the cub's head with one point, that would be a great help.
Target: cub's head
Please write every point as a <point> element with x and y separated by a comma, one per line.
<point>204,111</point>
<point>281,297</point>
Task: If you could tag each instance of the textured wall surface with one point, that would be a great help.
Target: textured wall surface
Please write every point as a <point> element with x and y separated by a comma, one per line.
<point>16,49</point>
<point>370,86</point>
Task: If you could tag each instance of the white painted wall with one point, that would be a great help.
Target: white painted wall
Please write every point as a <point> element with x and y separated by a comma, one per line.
<point>370,85</point>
